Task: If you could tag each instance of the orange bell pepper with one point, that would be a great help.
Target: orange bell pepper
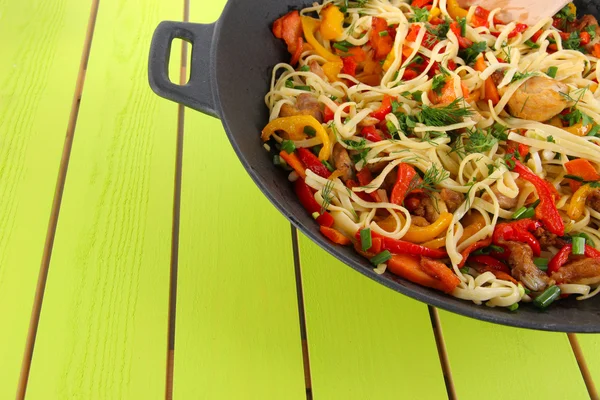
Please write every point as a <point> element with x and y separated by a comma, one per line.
<point>582,168</point>
<point>423,271</point>
<point>293,161</point>
<point>447,94</point>
<point>381,44</point>
<point>332,22</point>
<point>491,91</point>
<point>335,236</point>
<point>289,28</point>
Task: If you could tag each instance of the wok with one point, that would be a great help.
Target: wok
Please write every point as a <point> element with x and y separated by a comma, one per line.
<point>230,75</point>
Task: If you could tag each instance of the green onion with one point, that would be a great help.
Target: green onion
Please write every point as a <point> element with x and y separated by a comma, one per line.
<point>532,44</point>
<point>465,270</point>
<point>524,212</point>
<point>381,258</point>
<point>546,298</point>
<point>304,68</point>
<point>574,177</point>
<point>395,106</point>
<point>541,263</point>
<point>594,130</point>
<point>535,204</point>
<point>383,33</point>
<point>305,88</point>
<point>328,165</point>
<point>527,291</point>
<point>288,146</point>
<point>277,160</point>
<point>391,127</point>
<point>365,239</point>
<point>552,72</point>
<point>289,83</point>
<point>310,131</point>
<point>513,307</point>
<point>588,240</point>
<point>578,246</point>
<point>341,47</point>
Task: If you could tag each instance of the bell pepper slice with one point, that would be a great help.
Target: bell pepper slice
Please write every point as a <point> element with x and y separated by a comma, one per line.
<point>546,211</point>
<point>577,204</point>
<point>384,109</point>
<point>350,65</point>
<point>294,126</point>
<point>560,259</point>
<point>364,179</point>
<point>490,262</point>
<point>407,177</point>
<point>463,42</point>
<point>370,133</point>
<point>473,247</point>
<point>309,26</point>
<point>381,44</point>
<point>518,231</point>
<point>332,69</point>
<point>417,234</point>
<point>491,91</point>
<point>414,269</point>
<point>403,247</point>
<point>332,22</point>
<point>307,199</point>
<point>582,168</point>
<point>293,161</point>
<point>335,236</point>
<point>475,226</point>
<point>289,28</point>
<point>312,162</point>
<point>455,10</point>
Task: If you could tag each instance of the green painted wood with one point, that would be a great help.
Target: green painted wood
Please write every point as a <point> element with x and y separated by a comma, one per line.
<point>104,322</point>
<point>590,345</point>
<point>365,341</point>
<point>488,361</point>
<point>41,49</point>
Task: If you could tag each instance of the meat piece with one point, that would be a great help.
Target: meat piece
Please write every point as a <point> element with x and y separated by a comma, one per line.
<point>390,181</point>
<point>427,209</point>
<point>593,200</point>
<point>548,239</point>
<point>342,162</point>
<point>315,68</point>
<point>420,222</point>
<point>306,104</point>
<point>523,268</point>
<point>538,99</point>
<point>584,22</point>
<point>582,272</point>
<point>505,202</point>
<point>452,199</point>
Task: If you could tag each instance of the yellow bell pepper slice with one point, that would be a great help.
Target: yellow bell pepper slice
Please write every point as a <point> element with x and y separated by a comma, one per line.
<point>435,243</point>
<point>454,10</point>
<point>332,69</point>
<point>435,12</point>
<point>309,26</point>
<point>578,129</point>
<point>332,22</point>
<point>577,204</point>
<point>417,234</point>
<point>477,224</point>
<point>294,126</point>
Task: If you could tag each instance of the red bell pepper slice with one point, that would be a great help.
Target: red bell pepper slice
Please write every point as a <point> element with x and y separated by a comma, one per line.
<point>350,183</point>
<point>420,3</point>
<point>584,38</point>
<point>335,236</point>
<point>463,42</point>
<point>312,162</point>
<point>582,168</point>
<point>406,178</point>
<point>381,44</point>
<point>518,231</point>
<point>546,211</point>
<point>562,257</point>
<point>289,28</point>
<point>490,262</point>
<point>328,115</point>
<point>413,33</point>
<point>402,247</point>
<point>520,28</point>
<point>474,247</point>
<point>370,133</point>
<point>350,65</point>
<point>364,178</point>
<point>385,109</point>
<point>536,36</point>
<point>307,199</point>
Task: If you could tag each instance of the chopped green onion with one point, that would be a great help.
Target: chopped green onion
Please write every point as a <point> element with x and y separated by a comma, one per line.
<point>381,258</point>
<point>304,68</point>
<point>328,165</point>
<point>578,246</point>
<point>552,72</point>
<point>574,177</point>
<point>588,240</point>
<point>532,44</point>
<point>527,291</point>
<point>391,127</point>
<point>288,146</point>
<point>310,131</point>
<point>289,83</point>
<point>513,307</point>
<point>535,204</point>
<point>465,270</point>
<point>524,212</point>
<point>277,160</point>
<point>302,87</point>
<point>383,33</point>
<point>395,106</point>
<point>541,263</point>
<point>365,239</point>
<point>341,47</point>
<point>546,298</point>
<point>594,130</point>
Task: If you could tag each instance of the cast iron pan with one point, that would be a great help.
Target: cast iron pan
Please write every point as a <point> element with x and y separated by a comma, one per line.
<point>230,74</point>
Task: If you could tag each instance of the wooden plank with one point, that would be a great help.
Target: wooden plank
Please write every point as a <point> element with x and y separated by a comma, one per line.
<point>365,341</point>
<point>493,360</point>
<point>590,345</point>
<point>40,60</point>
<point>103,327</point>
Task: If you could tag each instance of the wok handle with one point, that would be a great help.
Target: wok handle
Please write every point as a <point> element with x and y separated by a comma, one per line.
<point>198,92</point>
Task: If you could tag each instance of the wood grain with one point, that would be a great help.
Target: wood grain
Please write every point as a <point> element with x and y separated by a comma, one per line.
<point>364,340</point>
<point>237,334</point>
<point>103,327</point>
<point>496,360</point>
<point>41,48</point>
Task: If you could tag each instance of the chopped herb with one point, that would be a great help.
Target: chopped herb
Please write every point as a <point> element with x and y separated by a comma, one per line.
<point>327,197</point>
<point>391,127</point>
<point>304,68</point>
<point>288,146</point>
<point>289,83</point>
<point>550,139</point>
<point>548,297</point>
<point>532,44</point>
<point>479,141</point>
<point>341,47</point>
<point>465,270</point>
<point>578,246</point>
<point>591,29</point>
<point>383,33</point>
<point>521,75</point>
<point>541,263</point>
<point>524,212</point>
<point>366,240</point>
<point>328,165</point>
<point>441,31</point>
<point>302,87</point>
<point>594,130</point>
<point>395,106</point>
<point>469,55</point>
<point>552,72</point>
<point>356,144</point>
<point>573,42</point>
<point>420,15</point>
<point>442,116</point>
<point>462,22</point>
<point>381,258</point>
<point>310,131</point>
<point>439,81</point>
<point>513,307</point>
<point>431,179</point>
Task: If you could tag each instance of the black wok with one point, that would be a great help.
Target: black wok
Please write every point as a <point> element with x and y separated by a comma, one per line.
<point>230,74</point>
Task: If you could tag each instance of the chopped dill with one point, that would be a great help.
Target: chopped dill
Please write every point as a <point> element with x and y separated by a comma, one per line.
<point>449,114</point>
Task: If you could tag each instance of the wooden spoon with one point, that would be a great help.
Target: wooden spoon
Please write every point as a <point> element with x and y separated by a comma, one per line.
<point>526,11</point>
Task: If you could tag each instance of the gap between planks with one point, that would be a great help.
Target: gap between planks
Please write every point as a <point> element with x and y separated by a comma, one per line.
<point>56,203</point>
<point>442,352</point>
<point>176,218</point>
<point>585,372</point>
<point>301,313</point>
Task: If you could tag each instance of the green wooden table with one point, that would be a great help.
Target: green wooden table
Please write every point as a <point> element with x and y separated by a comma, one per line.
<point>139,261</point>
